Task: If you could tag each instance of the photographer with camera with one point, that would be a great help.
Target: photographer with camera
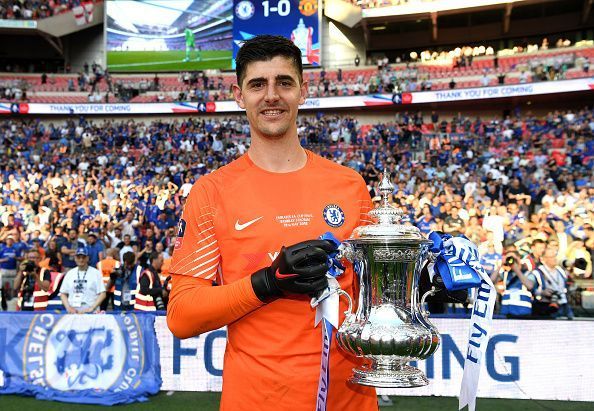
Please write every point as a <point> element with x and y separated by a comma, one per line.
<point>551,296</point>
<point>125,281</point>
<point>82,289</point>
<point>517,297</point>
<point>32,283</point>
<point>151,294</point>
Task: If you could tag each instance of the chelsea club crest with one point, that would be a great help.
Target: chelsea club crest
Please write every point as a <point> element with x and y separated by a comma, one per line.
<point>333,215</point>
<point>66,354</point>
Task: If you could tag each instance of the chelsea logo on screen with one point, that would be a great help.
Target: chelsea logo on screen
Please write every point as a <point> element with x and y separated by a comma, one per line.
<point>333,215</point>
<point>66,354</point>
<point>245,10</point>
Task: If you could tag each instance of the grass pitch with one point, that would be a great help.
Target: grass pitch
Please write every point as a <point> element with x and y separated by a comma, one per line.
<point>209,401</point>
<point>152,61</point>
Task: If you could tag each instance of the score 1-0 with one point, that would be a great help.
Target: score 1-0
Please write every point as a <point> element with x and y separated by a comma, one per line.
<point>283,8</point>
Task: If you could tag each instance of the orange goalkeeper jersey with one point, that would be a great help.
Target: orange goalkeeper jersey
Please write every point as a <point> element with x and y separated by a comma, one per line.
<point>234,223</point>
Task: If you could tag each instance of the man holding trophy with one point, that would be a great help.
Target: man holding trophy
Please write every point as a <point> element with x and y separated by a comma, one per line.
<point>268,243</point>
<point>252,227</point>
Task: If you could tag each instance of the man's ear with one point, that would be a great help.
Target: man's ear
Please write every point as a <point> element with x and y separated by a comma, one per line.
<point>238,95</point>
<point>304,92</point>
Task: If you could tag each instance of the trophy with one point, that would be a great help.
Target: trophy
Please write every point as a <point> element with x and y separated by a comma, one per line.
<point>389,327</point>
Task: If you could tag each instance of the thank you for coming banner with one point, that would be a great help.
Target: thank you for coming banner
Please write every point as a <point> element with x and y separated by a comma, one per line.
<point>518,361</point>
<point>94,359</point>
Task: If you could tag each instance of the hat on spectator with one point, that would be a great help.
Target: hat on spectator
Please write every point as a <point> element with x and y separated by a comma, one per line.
<point>82,251</point>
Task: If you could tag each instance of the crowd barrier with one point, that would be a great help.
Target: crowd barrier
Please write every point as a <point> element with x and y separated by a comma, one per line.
<point>121,358</point>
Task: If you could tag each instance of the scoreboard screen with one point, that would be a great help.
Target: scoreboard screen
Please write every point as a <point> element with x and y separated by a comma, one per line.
<point>297,20</point>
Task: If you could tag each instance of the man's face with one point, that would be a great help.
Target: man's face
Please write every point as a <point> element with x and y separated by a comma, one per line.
<point>538,249</point>
<point>157,263</point>
<point>271,94</point>
<point>72,234</point>
<point>81,260</point>
<point>35,257</point>
<point>550,257</point>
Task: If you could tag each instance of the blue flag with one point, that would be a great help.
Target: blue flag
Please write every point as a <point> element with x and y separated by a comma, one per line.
<point>88,359</point>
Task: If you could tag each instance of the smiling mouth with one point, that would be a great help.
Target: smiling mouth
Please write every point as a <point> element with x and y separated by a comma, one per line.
<point>272,112</point>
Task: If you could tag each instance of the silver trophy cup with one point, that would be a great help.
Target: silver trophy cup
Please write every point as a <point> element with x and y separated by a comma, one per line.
<point>389,327</point>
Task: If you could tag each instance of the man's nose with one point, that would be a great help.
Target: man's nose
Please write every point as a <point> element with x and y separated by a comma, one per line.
<point>271,93</point>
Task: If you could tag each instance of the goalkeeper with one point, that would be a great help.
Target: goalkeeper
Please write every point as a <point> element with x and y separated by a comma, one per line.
<point>190,45</point>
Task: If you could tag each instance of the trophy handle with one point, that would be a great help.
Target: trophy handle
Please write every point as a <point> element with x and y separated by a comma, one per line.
<point>349,312</point>
<point>429,293</point>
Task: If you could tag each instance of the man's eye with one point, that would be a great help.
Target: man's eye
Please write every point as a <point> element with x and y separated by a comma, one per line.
<point>286,83</point>
<point>257,85</point>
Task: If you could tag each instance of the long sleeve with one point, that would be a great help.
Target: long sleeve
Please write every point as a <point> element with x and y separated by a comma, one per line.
<point>196,306</point>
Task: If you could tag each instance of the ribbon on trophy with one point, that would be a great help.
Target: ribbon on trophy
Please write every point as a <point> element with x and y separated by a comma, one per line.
<point>327,306</point>
<point>457,261</point>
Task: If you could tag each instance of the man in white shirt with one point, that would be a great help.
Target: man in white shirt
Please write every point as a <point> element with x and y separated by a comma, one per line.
<point>82,290</point>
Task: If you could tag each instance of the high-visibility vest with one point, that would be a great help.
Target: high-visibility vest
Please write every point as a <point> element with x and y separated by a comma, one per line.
<point>40,297</point>
<point>145,302</point>
<point>133,285</point>
<point>54,302</point>
<point>106,267</point>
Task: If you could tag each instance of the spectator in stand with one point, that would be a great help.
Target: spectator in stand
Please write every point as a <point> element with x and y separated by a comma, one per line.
<point>118,178</point>
<point>452,84</point>
<point>70,248</point>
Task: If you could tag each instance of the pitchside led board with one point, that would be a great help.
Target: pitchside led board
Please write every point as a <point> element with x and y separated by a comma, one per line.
<point>297,20</point>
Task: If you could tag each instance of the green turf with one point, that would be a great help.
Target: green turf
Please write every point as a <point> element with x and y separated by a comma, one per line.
<point>209,401</point>
<point>151,61</point>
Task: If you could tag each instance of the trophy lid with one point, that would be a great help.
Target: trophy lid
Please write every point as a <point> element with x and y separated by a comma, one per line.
<point>389,224</point>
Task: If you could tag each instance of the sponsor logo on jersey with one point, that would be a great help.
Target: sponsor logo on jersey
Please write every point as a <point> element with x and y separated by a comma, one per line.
<point>333,215</point>
<point>181,230</point>
<point>65,354</point>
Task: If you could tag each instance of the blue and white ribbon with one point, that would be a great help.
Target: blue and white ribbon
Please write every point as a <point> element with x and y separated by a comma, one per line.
<point>458,262</point>
<point>327,306</point>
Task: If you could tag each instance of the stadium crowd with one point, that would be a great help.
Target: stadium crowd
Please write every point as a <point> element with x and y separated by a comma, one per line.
<point>36,9</point>
<point>95,84</point>
<point>520,185</point>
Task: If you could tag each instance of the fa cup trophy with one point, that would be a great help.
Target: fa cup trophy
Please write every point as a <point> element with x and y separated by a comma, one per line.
<point>389,327</point>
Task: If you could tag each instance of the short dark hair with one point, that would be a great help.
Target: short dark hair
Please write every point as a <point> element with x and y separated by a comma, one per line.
<point>129,257</point>
<point>265,47</point>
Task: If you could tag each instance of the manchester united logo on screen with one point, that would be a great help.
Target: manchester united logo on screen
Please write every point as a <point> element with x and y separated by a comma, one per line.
<point>308,7</point>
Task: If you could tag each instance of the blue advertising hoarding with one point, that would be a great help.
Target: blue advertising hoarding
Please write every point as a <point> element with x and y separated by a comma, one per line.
<point>87,359</point>
<point>297,20</point>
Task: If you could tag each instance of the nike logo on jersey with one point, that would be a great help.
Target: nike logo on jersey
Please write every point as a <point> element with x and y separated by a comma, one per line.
<point>239,226</point>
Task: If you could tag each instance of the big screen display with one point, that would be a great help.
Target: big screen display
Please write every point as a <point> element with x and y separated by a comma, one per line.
<point>168,35</point>
<point>297,20</point>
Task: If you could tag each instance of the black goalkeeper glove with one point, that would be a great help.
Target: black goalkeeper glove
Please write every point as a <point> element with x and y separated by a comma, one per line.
<point>298,269</point>
<point>442,294</point>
